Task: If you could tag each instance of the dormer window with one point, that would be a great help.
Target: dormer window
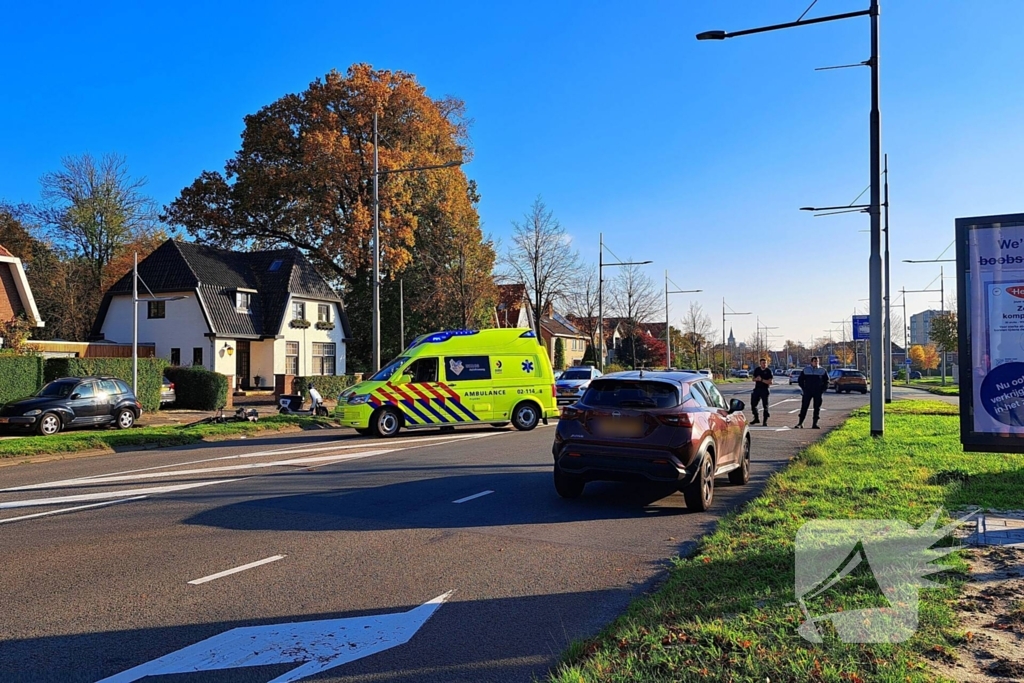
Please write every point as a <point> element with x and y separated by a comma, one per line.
<point>275,265</point>
<point>243,302</point>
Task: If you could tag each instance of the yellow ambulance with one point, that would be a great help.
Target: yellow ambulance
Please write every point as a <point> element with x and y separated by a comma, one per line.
<point>458,377</point>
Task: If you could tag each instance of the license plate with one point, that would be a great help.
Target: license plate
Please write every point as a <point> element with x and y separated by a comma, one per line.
<point>621,427</point>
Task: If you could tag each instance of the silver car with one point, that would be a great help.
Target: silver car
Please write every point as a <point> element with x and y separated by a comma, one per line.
<point>573,383</point>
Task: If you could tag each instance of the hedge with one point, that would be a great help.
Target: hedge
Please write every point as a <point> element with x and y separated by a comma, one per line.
<point>329,386</point>
<point>197,388</point>
<point>151,371</point>
<point>22,376</point>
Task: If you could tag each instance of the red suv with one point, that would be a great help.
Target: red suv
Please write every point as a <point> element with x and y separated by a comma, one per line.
<point>669,427</point>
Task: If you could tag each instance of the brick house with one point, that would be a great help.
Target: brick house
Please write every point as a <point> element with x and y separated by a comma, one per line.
<point>15,294</point>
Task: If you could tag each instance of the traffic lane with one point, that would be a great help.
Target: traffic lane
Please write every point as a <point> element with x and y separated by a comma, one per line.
<point>344,571</point>
<point>457,547</point>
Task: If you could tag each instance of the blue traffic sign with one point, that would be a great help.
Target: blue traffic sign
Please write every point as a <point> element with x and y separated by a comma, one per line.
<point>907,361</point>
<point>861,327</point>
<point>833,360</point>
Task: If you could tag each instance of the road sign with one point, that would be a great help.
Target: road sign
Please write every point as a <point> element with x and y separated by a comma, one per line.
<point>861,327</point>
<point>833,360</point>
<point>907,361</point>
<point>315,645</point>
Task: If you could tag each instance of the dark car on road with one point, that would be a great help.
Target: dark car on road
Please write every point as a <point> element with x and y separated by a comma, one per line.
<point>672,428</point>
<point>846,379</point>
<point>74,402</point>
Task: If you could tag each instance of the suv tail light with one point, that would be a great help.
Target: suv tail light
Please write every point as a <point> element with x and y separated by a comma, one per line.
<point>571,413</point>
<point>171,387</point>
<point>675,419</point>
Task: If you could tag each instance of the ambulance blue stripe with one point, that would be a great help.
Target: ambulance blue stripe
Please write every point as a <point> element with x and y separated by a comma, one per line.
<point>439,416</point>
<point>463,409</point>
<point>458,418</point>
<point>423,418</point>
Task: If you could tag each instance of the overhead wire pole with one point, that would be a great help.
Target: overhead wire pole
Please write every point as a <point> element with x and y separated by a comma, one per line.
<point>875,275</point>
<point>600,291</point>
<point>888,324</point>
<point>668,336</point>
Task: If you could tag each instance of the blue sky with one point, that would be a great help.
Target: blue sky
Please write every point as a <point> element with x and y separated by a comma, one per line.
<point>694,154</point>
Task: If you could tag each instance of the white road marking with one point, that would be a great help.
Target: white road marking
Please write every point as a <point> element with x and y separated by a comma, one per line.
<point>798,410</point>
<point>768,429</point>
<point>74,509</point>
<point>316,645</point>
<point>108,495</point>
<point>785,400</point>
<point>229,572</point>
<point>475,495</point>
<point>92,479</point>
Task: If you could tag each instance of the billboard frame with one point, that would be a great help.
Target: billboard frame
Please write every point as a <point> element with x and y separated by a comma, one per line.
<point>972,441</point>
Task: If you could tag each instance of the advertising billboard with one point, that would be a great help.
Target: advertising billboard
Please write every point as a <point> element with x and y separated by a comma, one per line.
<point>990,309</point>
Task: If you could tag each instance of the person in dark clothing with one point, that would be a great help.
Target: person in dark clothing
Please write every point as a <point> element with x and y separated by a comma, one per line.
<point>813,383</point>
<point>763,379</point>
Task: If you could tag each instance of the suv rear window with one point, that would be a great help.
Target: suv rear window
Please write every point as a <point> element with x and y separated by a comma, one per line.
<point>629,393</point>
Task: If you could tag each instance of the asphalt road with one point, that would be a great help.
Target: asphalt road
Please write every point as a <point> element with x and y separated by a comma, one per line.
<point>348,528</point>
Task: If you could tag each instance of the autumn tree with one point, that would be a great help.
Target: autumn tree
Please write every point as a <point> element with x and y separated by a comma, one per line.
<point>540,255</point>
<point>925,357</point>
<point>635,299</point>
<point>303,177</point>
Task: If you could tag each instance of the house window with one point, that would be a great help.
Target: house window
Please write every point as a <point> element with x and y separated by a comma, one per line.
<point>157,309</point>
<point>243,301</point>
<point>197,355</point>
<point>175,356</point>
<point>323,313</point>
<point>323,358</point>
<point>291,358</point>
<point>298,310</point>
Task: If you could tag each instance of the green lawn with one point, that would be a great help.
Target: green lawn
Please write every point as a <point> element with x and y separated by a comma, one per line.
<point>74,441</point>
<point>726,613</point>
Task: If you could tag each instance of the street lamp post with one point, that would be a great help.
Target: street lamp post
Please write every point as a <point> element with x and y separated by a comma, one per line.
<point>942,296</point>
<point>668,335</point>
<point>377,172</point>
<point>600,295</point>
<point>723,330</point>
<point>135,318</point>
<point>875,274</point>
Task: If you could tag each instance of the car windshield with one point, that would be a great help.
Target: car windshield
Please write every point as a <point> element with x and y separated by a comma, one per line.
<point>56,390</point>
<point>575,374</point>
<point>388,370</point>
<point>621,393</point>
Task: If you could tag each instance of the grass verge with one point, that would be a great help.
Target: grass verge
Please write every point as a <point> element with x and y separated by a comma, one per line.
<point>173,435</point>
<point>726,613</point>
<point>934,386</point>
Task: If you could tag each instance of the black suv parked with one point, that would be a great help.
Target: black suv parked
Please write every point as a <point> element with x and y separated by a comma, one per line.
<point>74,402</point>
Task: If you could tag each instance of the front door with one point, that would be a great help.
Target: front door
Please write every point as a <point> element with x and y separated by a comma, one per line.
<point>83,403</point>
<point>242,363</point>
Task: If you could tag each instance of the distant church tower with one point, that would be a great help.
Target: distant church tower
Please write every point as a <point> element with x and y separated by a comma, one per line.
<point>732,340</point>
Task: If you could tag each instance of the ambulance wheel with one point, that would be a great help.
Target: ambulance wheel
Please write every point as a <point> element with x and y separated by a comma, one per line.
<point>525,416</point>
<point>386,422</point>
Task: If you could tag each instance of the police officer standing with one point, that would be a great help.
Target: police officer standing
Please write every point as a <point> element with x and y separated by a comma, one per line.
<point>763,379</point>
<point>813,382</point>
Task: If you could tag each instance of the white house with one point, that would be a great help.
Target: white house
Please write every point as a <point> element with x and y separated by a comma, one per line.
<point>259,317</point>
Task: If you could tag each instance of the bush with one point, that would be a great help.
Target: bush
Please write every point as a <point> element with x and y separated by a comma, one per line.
<point>197,388</point>
<point>329,386</point>
<point>614,367</point>
<point>151,372</point>
<point>23,375</point>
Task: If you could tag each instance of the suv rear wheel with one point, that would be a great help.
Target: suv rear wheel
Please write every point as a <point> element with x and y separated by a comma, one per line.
<point>568,485</point>
<point>701,491</point>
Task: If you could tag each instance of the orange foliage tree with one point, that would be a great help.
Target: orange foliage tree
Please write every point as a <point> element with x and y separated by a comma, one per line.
<point>304,178</point>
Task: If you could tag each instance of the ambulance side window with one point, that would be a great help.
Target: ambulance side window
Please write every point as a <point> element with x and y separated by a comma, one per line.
<point>423,370</point>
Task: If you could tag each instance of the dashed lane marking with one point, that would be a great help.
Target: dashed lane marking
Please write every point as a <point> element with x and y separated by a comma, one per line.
<point>229,572</point>
<point>474,496</point>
